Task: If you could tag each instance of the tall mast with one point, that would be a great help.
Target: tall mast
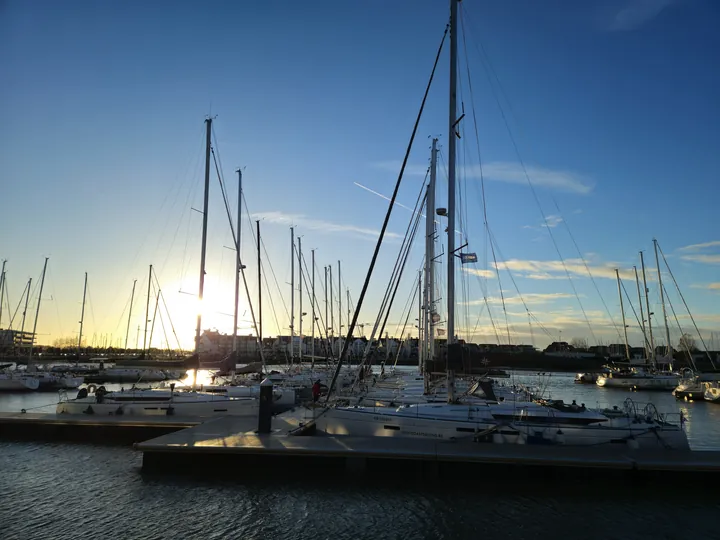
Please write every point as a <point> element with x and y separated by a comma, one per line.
<point>642,313</point>
<point>37,310</point>
<point>327,335</point>
<point>203,247</point>
<point>451,172</point>
<point>421,321</point>
<point>332,315</point>
<point>340,324</point>
<point>132,299</point>
<point>348,304</point>
<point>430,253</point>
<point>622,310</point>
<point>147,315</point>
<point>662,300</point>
<point>82,315</point>
<point>312,333</point>
<point>649,314</point>
<point>2,290</point>
<point>300,276</point>
<point>237,264</point>
<point>292,294</point>
<point>24,313</point>
<point>259,265</point>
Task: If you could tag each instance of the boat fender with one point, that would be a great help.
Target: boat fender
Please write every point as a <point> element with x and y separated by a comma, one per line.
<point>560,437</point>
<point>89,410</point>
<point>170,411</point>
<point>91,388</point>
<point>119,411</point>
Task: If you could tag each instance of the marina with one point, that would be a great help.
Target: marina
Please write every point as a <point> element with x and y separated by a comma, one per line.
<point>495,315</point>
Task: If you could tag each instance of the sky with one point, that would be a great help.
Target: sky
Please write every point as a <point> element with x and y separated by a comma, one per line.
<point>597,125</point>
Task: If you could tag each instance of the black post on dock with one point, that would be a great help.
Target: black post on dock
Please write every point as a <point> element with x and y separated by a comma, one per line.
<point>266,400</point>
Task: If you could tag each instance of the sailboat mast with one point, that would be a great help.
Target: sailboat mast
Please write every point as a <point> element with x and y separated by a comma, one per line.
<point>237,264</point>
<point>2,290</point>
<point>312,333</point>
<point>203,247</point>
<point>300,276</point>
<point>327,336</point>
<point>420,323</point>
<point>132,299</point>
<point>642,312</point>
<point>147,314</point>
<point>430,253</point>
<point>622,310</point>
<point>82,315</point>
<point>332,313</point>
<point>259,266</point>
<point>340,324</point>
<point>649,314</point>
<point>292,294</point>
<point>37,310</point>
<point>24,314</point>
<point>451,172</point>
<point>662,299</point>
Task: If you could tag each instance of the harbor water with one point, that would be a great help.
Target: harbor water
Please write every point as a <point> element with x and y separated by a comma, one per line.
<point>63,491</point>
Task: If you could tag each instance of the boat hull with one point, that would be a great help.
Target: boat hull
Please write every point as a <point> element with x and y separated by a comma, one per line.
<point>18,383</point>
<point>668,382</point>
<point>619,431</point>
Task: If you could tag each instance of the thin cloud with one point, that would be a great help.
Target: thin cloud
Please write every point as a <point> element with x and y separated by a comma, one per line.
<point>698,247</point>
<point>707,259</point>
<point>637,13</point>
<point>710,286</point>
<point>529,298</point>
<point>303,221</point>
<point>556,270</point>
<point>550,223</point>
<point>479,272</point>
<point>510,173</point>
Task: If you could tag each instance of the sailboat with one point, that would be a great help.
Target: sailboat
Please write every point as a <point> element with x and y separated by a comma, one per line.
<point>647,376</point>
<point>491,419</point>
<point>167,401</point>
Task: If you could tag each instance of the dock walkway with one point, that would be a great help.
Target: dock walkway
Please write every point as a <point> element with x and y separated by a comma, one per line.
<point>235,442</point>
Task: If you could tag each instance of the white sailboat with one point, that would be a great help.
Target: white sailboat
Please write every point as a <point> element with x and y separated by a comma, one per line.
<point>647,377</point>
<point>17,382</point>
<point>488,419</point>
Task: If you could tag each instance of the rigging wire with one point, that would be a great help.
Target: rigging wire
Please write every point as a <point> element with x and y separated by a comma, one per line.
<point>521,161</point>
<point>707,352</point>
<point>687,351</point>
<point>363,291</point>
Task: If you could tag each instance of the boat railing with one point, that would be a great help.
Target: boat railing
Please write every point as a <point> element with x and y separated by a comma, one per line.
<point>649,413</point>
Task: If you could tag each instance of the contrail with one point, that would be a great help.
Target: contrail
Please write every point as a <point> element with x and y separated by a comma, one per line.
<point>386,198</point>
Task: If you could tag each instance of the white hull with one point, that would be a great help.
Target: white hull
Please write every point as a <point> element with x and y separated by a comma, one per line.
<point>388,423</point>
<point>160,403</point>
<point>281,396</point>
<point>122,375</point>
<point>646,382</point>
<point>15,383</point>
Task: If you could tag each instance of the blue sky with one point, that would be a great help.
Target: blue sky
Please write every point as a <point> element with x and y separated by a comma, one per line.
<point>612,107</point>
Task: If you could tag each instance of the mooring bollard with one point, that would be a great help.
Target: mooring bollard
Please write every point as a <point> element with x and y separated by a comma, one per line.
<point>266,401</point>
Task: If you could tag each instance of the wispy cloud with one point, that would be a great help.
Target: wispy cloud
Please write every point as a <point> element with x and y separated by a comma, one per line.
<point>510,173</point>
<point>636,13</point>
<point>698,247</point>
<point>321,225</point>
<point>711,286</point>
<point>529,298</point>
<point>701,258</point>
<point>479,272</point>
<point>550,223</point>
<point>556,270</point>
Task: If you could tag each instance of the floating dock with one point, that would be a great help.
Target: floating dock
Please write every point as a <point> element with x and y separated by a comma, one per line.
<point>89,428</point>
<point>231,443</point>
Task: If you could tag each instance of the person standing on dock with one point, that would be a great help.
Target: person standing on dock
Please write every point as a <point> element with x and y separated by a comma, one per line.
<point>316,391</point>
